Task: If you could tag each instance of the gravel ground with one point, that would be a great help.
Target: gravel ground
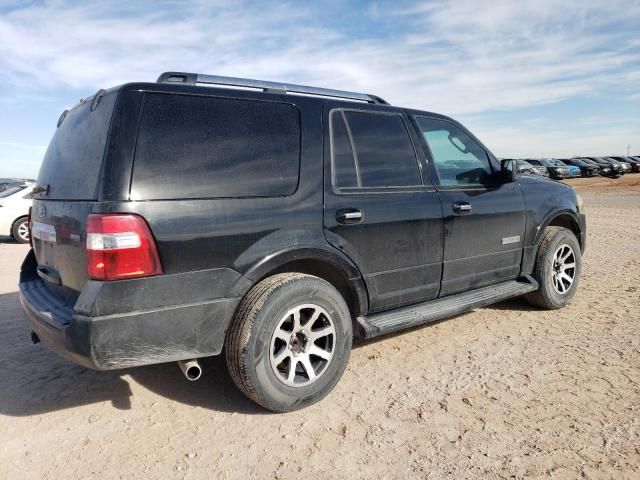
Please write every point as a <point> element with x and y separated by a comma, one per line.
<point>502,392</point>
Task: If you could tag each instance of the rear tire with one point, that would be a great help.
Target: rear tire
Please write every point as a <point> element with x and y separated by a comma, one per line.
<point>289,342</point>
<point>557,269</point>
<point>20,230</point>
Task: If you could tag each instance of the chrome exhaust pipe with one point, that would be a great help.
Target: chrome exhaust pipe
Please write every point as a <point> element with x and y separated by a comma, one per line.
<point>191,369</point>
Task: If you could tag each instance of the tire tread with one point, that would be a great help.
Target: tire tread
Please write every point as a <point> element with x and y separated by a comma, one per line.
<point>540,297</point>
<point>242,326</point>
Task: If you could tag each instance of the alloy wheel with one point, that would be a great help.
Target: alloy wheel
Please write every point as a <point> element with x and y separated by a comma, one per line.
<point>23,231</point>
<point>302,345</point>
<point>564,269</point>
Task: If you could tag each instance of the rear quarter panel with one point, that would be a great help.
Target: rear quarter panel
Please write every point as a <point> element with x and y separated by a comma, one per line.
<point>223,233</point>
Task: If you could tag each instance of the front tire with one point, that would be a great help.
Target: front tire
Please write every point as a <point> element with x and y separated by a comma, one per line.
<point>289,342</point>
<point>20,230</point>
<point>557,269</point>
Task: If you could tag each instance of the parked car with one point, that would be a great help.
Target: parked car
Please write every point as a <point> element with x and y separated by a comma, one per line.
<point>616,167</point>
<point>574,171</point>
<point>7,182</point>
<point>557,172</point>
<point>634,165</point>
<point>523,166</point>
<point>626,167</point>
<point>586,170</point>
<point>537,169</point>
<point>605,169</point>
<point>15,201</point>
<point>276,226</point>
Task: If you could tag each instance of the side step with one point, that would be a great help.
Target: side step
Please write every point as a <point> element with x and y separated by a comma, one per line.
<point>440,308</point>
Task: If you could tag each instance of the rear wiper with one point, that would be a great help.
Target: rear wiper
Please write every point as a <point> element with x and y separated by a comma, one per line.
<point>40,189</point>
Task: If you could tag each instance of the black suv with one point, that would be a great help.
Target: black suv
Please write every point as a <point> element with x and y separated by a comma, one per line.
<point>586,169</point>
<point>174,219</point>
<point>632,164</point>
<point>616,167</point>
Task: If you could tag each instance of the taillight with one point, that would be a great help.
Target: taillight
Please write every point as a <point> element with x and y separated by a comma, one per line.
<point>29,227</point>
<point>120,246</point>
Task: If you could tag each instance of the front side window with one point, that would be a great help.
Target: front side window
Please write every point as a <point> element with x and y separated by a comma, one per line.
<point>372,150</point>
<point>458,159</point>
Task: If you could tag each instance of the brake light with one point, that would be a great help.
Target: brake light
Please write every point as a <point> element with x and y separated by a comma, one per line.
<point>120,246</point>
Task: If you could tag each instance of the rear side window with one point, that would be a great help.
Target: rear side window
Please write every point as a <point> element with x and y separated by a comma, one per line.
<point>206,147</point>
<point>344,165</point>
<point>372,149</point>
<point>72,164</point>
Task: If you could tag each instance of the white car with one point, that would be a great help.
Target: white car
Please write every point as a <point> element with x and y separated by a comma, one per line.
<point>14,209</point>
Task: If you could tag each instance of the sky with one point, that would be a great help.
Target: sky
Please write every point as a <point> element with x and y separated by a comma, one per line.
<point>551,78</point>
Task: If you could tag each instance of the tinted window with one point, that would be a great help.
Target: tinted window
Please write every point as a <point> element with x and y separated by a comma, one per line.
<point>458,159</point>
<point>71,167</point>
<point>199,147</point>
<point>344,165</point>
<point>383,150</point>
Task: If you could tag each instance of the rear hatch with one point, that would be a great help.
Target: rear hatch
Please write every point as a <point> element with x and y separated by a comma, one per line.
<point>66,192</point>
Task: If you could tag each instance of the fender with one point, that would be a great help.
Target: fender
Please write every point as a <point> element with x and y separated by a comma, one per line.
<point>552,215</point>
<point>318,253</point>
<point>531,249</point>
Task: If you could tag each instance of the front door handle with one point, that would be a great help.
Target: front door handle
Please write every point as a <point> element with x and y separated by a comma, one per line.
<point>348,215</point>
<point>462,207</point>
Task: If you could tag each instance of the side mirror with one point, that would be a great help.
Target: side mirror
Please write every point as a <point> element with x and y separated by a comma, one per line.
<point>508,170</point>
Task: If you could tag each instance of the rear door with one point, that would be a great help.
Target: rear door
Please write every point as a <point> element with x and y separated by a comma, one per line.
<point>380,208</point>
<point>69,182</point>
<point>484,217</point>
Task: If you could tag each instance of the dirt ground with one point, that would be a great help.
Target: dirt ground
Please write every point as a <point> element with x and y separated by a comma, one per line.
<point>502,392</point>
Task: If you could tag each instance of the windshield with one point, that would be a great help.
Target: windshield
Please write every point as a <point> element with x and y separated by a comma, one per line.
<point>11,190</point>
<point>557,163</point>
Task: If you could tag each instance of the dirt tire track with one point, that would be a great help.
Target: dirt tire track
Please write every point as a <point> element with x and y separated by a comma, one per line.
<point>501,392</point>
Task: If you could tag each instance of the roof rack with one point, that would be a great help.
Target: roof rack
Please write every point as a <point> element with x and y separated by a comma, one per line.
<point>271,87</point>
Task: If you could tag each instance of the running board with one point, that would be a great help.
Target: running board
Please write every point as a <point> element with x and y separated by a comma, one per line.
<point>440,308</point>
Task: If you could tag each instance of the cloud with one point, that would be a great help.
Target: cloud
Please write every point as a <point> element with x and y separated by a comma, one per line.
<point>22,145</point>
<point>513,142</point>
<point>465,58</point>
<point>454,57</point>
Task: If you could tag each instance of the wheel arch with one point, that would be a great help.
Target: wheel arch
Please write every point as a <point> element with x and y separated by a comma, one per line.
<point>563,218</point>
<point>557,218</point>
<point>336,269</point>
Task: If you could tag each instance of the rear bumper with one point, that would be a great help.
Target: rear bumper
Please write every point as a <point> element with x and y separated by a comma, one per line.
<point>112,341</point>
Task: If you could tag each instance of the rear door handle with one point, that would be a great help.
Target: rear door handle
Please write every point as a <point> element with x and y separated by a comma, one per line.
<point>462,207</point>
<point>348,215</point>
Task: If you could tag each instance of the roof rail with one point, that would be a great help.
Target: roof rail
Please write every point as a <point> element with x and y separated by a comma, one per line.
<point>272,87</point>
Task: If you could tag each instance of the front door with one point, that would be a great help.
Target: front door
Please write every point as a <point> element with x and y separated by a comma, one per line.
<point>380,208</point>
<point>484,216</point>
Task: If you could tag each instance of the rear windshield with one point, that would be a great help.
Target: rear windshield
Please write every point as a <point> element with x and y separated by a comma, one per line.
<point>72,164</point>
<point>208,147</point>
